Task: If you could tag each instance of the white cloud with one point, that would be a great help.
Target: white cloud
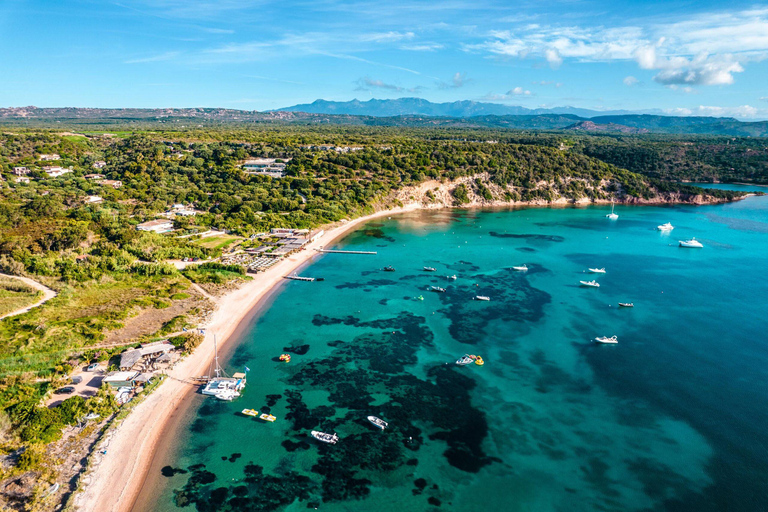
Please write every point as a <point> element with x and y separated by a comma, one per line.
<point>512,93</point>
<point>743,111</point>
<point>459,79</point>
<point>386,37</point>
<point>629,81</point>
<point>518,91</point>
<point>422,47</point>
<point>553,57</point>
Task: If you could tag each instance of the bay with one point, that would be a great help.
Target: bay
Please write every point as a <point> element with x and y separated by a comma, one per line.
<point>673,417</point>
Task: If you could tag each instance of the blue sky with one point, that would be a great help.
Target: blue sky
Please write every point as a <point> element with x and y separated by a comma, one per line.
<point>683,57</point>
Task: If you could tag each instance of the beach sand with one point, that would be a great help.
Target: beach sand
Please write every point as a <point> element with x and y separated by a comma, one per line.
<point>114,480</point>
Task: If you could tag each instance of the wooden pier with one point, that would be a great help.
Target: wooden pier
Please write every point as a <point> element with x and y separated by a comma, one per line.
<point>345,252</point>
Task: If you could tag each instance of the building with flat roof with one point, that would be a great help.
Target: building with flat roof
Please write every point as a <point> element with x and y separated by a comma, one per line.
<point>20,171</point>
<point>121,379</point>
<point>54,171</point>
<point>49,157</point>
<point>157,225</point>
<point>110,183</point>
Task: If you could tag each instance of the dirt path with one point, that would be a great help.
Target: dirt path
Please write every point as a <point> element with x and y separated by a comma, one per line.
<point>48,294</point>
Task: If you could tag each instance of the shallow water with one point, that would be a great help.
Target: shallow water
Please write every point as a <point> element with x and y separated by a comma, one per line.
<point>671,418</point>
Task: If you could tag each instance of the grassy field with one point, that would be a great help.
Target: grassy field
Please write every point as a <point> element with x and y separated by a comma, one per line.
<point>217,242</point>
<point>15,294</point>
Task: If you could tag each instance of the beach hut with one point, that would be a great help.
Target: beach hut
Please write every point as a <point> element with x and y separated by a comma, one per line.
<point>121,379</point>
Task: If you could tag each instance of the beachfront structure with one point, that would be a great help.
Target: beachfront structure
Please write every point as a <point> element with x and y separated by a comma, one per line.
<point>54,171</point>
<point>144,357</point>
<point>110,183</point>
<point>20,171</point>
<point>157,225</point>
<point>49,157</point>
<point>121,379</point>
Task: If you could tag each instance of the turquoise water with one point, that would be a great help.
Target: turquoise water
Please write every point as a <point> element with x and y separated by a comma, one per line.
<point>734,186</point>
<point>672,418</point>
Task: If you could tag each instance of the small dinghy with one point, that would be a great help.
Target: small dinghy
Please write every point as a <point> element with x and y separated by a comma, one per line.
<point>466,359</point>
<point>482,297</point>
<point>626,304</point>
<point>597,271</point>
<point>267,417</point>
<point>521,268</point>
<point>250,412</point>
<point>592,283</point>
<point>430,269</point>
<point>436,289</point>
<point>479,361</point>
<point>325,437</point>
<point>605,339</point>
<point>378,422</point>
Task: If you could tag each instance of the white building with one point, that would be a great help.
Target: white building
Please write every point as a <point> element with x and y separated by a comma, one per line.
<point>94,199</point>
<point>20,171</point>
<point>100,164</point>
<point>157,225</point>
<point>49,158</point>
<point>22,179</point>
<point>55,171</point>
<point>110,183</point>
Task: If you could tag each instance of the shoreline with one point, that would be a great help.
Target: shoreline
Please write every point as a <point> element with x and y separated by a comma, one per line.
<point>116,479</point>
<point>135,445</point>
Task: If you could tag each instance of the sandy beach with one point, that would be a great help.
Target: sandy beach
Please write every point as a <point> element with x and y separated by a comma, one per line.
<point>115,479</point>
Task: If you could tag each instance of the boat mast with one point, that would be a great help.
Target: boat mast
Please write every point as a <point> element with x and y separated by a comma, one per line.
<point>217,369</point>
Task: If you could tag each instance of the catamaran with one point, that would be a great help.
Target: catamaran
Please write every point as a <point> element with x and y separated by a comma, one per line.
<point>520,268</point>
<point>378,422</point>
<point>612,215</point>
<point>605,339</point>
<point>692,243</point>
<point>220,385</point>
<point>592,283</point>
<point>325,437</point>
<point>666,227</point>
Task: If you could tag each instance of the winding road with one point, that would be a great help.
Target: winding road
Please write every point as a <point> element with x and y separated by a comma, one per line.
<point>48,294</point>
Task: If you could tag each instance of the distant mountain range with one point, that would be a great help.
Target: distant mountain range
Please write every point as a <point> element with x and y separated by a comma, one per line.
<point>422,107</point>
<point>460,114</point>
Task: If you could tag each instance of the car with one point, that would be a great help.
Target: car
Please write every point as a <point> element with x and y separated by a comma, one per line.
<point>77,379</point>
<point>66,390</point>
<point>92,367</point>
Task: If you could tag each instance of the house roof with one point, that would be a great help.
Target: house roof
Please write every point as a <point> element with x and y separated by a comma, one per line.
<point>121,376</point>
<point>130,358</point>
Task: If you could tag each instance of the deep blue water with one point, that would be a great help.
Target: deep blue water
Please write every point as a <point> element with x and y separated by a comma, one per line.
<point>672,418</point>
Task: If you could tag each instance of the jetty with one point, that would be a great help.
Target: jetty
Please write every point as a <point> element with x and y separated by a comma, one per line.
<point>337,251</point>
<point>299,278</point>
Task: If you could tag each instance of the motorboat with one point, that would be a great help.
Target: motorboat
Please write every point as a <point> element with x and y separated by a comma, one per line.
<point>521,268</point>
<point>466,359</point>
<point>451,278</point>
<point>227,395</point>
<point>482,297</point>
<point>612,215</point>
<point>479,361</point>
<point>597,271</point>
<point>325,437</point>
<point>692,243</point>
<point>378,422</point>
<point>626,305</point>
<point>250,412</point>
<point>430,269</point>
<point>592,283</point>
<point>267,417</point>
<point>666,227</point>
<point>436,289</point>
<point>605,339</point>
<point>389,268</point>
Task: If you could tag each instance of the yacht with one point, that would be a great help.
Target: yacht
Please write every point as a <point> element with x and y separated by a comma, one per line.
<point>666,227</point>
<point>482,297</point>
<point>626,305</point>
<point>436,289</point>
<point>220,385</point>
<point>592,283</point>
<point>597,271</point>
<point>612,215</point>
<point>465,360</point>
<point>605,339</point>
<point>430,269</point>
<point>692,243</point>
<point>378,422</point>
<point>324,437</point>
<point>521,268</point>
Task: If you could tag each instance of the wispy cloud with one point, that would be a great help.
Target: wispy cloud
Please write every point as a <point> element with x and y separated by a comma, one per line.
<point>458,80</point>
<point>273,79</point>
<point>630,81</point>
<point>422,47</point>
<point>386,37</point>
<point>516,92</point>
<point>367,83</point>
<point>153,58</point>
<point>743,111</point>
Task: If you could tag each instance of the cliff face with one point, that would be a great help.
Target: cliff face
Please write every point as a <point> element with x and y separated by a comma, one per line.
<point>437,194</point>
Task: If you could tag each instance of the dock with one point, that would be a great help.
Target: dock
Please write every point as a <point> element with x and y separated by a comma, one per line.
<point>345,252</point>
<point>299,278</point>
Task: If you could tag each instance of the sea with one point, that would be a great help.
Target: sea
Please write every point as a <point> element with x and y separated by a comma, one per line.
<point>671,418</point>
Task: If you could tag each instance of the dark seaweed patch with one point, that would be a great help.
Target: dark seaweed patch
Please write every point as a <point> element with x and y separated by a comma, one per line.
<point>377,233</point>
<point>272,400</point>
<point>234,457</point>
<point>298,350</point>
<point>169,471</point>
<point>525,249</point>
<point>538,238</point>
<point>373,283</point>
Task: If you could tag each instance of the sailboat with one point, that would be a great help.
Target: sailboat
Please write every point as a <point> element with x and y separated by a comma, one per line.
<point>220,384</point>
<point>612,215</point>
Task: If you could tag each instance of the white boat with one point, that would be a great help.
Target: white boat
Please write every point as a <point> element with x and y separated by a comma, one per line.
<point>324,437</point>
<point>465,360</point>
<point>429,269</point>
<point>666,227</point>
<point>482,297</point>
<point>220,384</point>
<point>451,278</point>
<point>378,422</point>
<point>612,215</point>
<point>605,339</point>
<point>436,289</point>
<point>692,243</point>
<point>626,305</point>
<point>597,271</point>
<point>592,283</point>
<point>521,268</point>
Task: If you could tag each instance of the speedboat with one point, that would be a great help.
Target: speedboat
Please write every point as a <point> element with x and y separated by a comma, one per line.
<point>666,227</point>
<point>451,278</point>
<point>267,417</point>
<point>592,283</point>
<point>378,422</point>
<point>482,297</point>
<point>521,268</point>
<point>605,339</point>
<point>479,361</point>
<point>436,289</point>
<point>389,268</point>
<point>612,215</point>
<point>692,243</point>
<point>429,269</point>
<point>626,305</point>
<point>466,359</point>
<point>250,412</point>
<point>325,437</point>
<point>597,271</point>
<point>227,395</point>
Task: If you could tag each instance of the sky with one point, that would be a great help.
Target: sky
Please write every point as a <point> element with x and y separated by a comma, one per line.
<point>683,57</point>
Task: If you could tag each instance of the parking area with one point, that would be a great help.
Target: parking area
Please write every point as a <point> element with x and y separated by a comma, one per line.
<point>87,387</point>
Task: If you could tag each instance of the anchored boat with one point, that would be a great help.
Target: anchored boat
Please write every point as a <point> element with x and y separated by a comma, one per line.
<point>691,244</point>
<point>378,422</point>
<point>430,269</point>
<point>521,268</point>
<point>250,412</point>
<point>267,417</point>
<point>597,271</point>
<point>466,359</point>
<point>436,289</point>
<point>626,304</point>
<point>592,283</point>
<point>389,268</point>
<point>220,385</point>
<point>482,297</point>
<point>325,437</point>
<point>605,339</point>
<point>666,227</point>
<point>612,215</point>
